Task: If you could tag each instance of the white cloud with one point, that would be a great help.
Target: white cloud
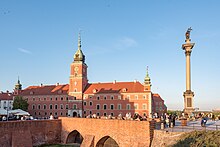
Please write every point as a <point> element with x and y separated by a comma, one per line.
<point>125,43</point>
<point>24,51</point>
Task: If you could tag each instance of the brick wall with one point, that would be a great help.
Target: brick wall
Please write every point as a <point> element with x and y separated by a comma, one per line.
<point>29,133</point>
<point>126,133</point>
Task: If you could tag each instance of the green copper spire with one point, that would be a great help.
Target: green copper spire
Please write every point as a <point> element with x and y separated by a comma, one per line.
<point>79,41</point>
<point>147,78</point>
<point>18,86</point>
<point>79,56</point>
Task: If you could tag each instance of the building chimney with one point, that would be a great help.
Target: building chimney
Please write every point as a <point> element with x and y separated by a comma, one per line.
<point>57,84</point>
<point>41,85</point>
<point>135,81</point>
<point>114,81</point>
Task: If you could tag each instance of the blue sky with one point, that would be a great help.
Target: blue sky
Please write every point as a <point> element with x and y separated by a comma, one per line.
<point>119,38</point>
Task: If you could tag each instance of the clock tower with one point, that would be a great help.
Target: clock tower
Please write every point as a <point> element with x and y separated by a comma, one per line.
<point>78,73</point>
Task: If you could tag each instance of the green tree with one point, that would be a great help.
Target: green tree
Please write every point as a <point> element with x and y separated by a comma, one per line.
<point>20,103</point>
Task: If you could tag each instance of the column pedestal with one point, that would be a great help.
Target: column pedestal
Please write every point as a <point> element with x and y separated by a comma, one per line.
<point>188,102</point>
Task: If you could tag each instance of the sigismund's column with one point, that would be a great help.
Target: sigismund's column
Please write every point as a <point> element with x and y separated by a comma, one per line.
<point>188,94</point>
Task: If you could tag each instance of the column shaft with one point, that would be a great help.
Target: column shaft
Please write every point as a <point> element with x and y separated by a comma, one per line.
<point>188,78</point>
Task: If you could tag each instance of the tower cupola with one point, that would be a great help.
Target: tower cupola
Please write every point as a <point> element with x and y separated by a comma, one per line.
<point>147,78</point>
<point>79,56</point>
<point>18,85</point>
<point>147,82</point>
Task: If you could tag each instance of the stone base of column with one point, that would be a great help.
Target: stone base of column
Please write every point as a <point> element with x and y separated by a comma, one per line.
<point>188,102</point>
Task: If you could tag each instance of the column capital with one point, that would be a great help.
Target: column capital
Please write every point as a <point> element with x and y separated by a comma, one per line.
<point>188,53</point>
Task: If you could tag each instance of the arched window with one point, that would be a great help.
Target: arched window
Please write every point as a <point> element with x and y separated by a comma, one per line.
<point>38,106</point>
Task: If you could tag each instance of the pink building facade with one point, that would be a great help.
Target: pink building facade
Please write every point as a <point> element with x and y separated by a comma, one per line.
<point>80,98</point>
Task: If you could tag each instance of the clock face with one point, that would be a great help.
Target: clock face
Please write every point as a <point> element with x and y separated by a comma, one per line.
<point>76,69</point>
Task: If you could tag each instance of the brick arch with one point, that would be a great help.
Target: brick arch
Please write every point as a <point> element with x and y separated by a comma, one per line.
<point>74,137</point>
<point>107,141</point>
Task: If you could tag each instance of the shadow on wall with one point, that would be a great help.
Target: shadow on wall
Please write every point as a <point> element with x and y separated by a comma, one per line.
<point>74,137</point>
<point>107,141</point>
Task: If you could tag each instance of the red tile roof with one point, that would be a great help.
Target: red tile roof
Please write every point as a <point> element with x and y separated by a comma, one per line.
<point>46,90</point>
<point>115,87</point>
<point>157,97</point>
<point>6,96</point>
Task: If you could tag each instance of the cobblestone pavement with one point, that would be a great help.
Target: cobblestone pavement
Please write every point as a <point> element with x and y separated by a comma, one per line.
<point>194,125</point>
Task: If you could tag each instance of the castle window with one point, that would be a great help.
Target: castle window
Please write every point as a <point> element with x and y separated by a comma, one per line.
<point>61,106</point>
<point>128,106</point>
<point>56,106</point>
<point>45,99</point>
<point>90,103</point>
<point>67,98</point>
<point>124,90</point>
<point>112,106</point>
<point>61,113</point>
<point>74,98</point>
<point>90,97</point>
<point>119,97</point>
<point>55,113</point>
<point>51,98</point>
<point>105,97</point>
<point>119,106</point>
<point>45,113</point>
<point>97,113</point>
<point>33,106</point>
<point>95,90</point>
<point>136,106</point>
<point>45,106</point>
<point>112,114</point>
<point>67,106</point>
<point>33,99</point>
<point>39,106</point>
<point>97,106</point>
<point>74,106</point>
<point>84,103</point>
<point>98,97</point>
<point>112,97</point>
<point>144,96</point>
<point>104,106</point>
<point>61,98</point>
<point>128,97</point>
<point>136,97</point>
<point>144,106</point>
<point>56,98</point>
<point>75,90</point>
<point>51,106</point>
<point>105,114</point>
